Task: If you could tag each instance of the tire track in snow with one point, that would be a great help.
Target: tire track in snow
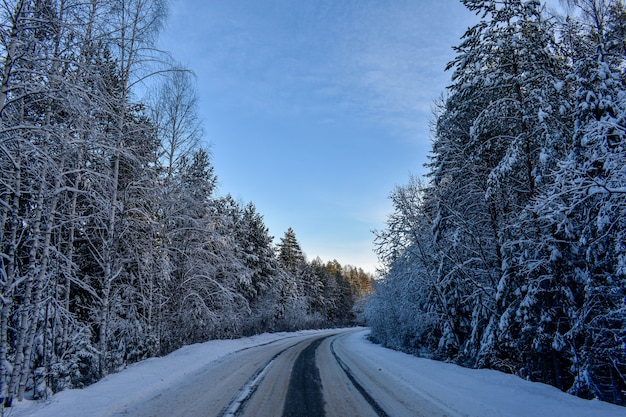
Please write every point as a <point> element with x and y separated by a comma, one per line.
<point>304,396</point>
<point>236,405</point>
<point>370,400</point>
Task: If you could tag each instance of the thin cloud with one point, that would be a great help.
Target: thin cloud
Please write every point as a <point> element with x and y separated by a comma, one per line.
<point>318,108</point>
<point>365,58</point>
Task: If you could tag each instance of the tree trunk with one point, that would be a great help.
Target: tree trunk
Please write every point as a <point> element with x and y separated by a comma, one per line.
<point>8,276</point>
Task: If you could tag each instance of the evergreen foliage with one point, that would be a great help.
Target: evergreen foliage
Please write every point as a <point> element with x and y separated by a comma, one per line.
<point>511,255</point>
<point>114,245</point>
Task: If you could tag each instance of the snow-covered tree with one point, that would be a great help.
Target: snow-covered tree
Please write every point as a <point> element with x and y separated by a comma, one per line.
<point>512,255</point>
<point>585,206</point>
<point>114,245</point>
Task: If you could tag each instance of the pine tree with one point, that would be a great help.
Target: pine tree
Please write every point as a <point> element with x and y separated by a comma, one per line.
<point>497,135</point>
<point>289,252</point>
<point>512,256</point>
<point>584,210</point>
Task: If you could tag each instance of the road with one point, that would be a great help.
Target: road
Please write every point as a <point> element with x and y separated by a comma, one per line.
<point>311,375</point>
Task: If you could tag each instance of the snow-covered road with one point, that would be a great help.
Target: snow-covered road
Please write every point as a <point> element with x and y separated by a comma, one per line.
<point>254,376</point>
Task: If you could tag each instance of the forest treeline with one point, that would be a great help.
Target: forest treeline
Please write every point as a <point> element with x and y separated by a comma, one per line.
<point>511,253</point>
<point>115,245</point>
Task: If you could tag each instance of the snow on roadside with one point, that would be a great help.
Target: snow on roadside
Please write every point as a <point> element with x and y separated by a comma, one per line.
<point>141,380</point>
<point>466,392</point>
<point>477,392</point>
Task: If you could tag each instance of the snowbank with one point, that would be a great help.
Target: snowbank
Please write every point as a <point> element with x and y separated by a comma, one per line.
<point>465,392</point>
<point>141,380</point>
<point>477,392</point>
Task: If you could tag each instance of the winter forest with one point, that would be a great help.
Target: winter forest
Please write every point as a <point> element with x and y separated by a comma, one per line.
<point>115,245</point>
<point>511,253</point>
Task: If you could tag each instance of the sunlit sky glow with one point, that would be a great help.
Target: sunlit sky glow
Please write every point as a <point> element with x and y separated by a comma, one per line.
<point>315,110</point>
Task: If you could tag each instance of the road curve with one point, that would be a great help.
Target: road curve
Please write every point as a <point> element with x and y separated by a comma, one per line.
<point>306,375</point>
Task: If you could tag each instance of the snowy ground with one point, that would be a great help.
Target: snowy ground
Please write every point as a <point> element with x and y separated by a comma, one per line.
<point>467,392</point>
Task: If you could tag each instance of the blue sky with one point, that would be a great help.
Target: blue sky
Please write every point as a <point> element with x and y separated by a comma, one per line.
<point>316,109</point>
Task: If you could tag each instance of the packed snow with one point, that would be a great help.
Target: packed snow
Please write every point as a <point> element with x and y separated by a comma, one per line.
<point>462,391</point>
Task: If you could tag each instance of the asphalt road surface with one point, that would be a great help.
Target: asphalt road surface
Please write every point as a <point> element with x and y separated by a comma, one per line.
<point>301,376</point>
